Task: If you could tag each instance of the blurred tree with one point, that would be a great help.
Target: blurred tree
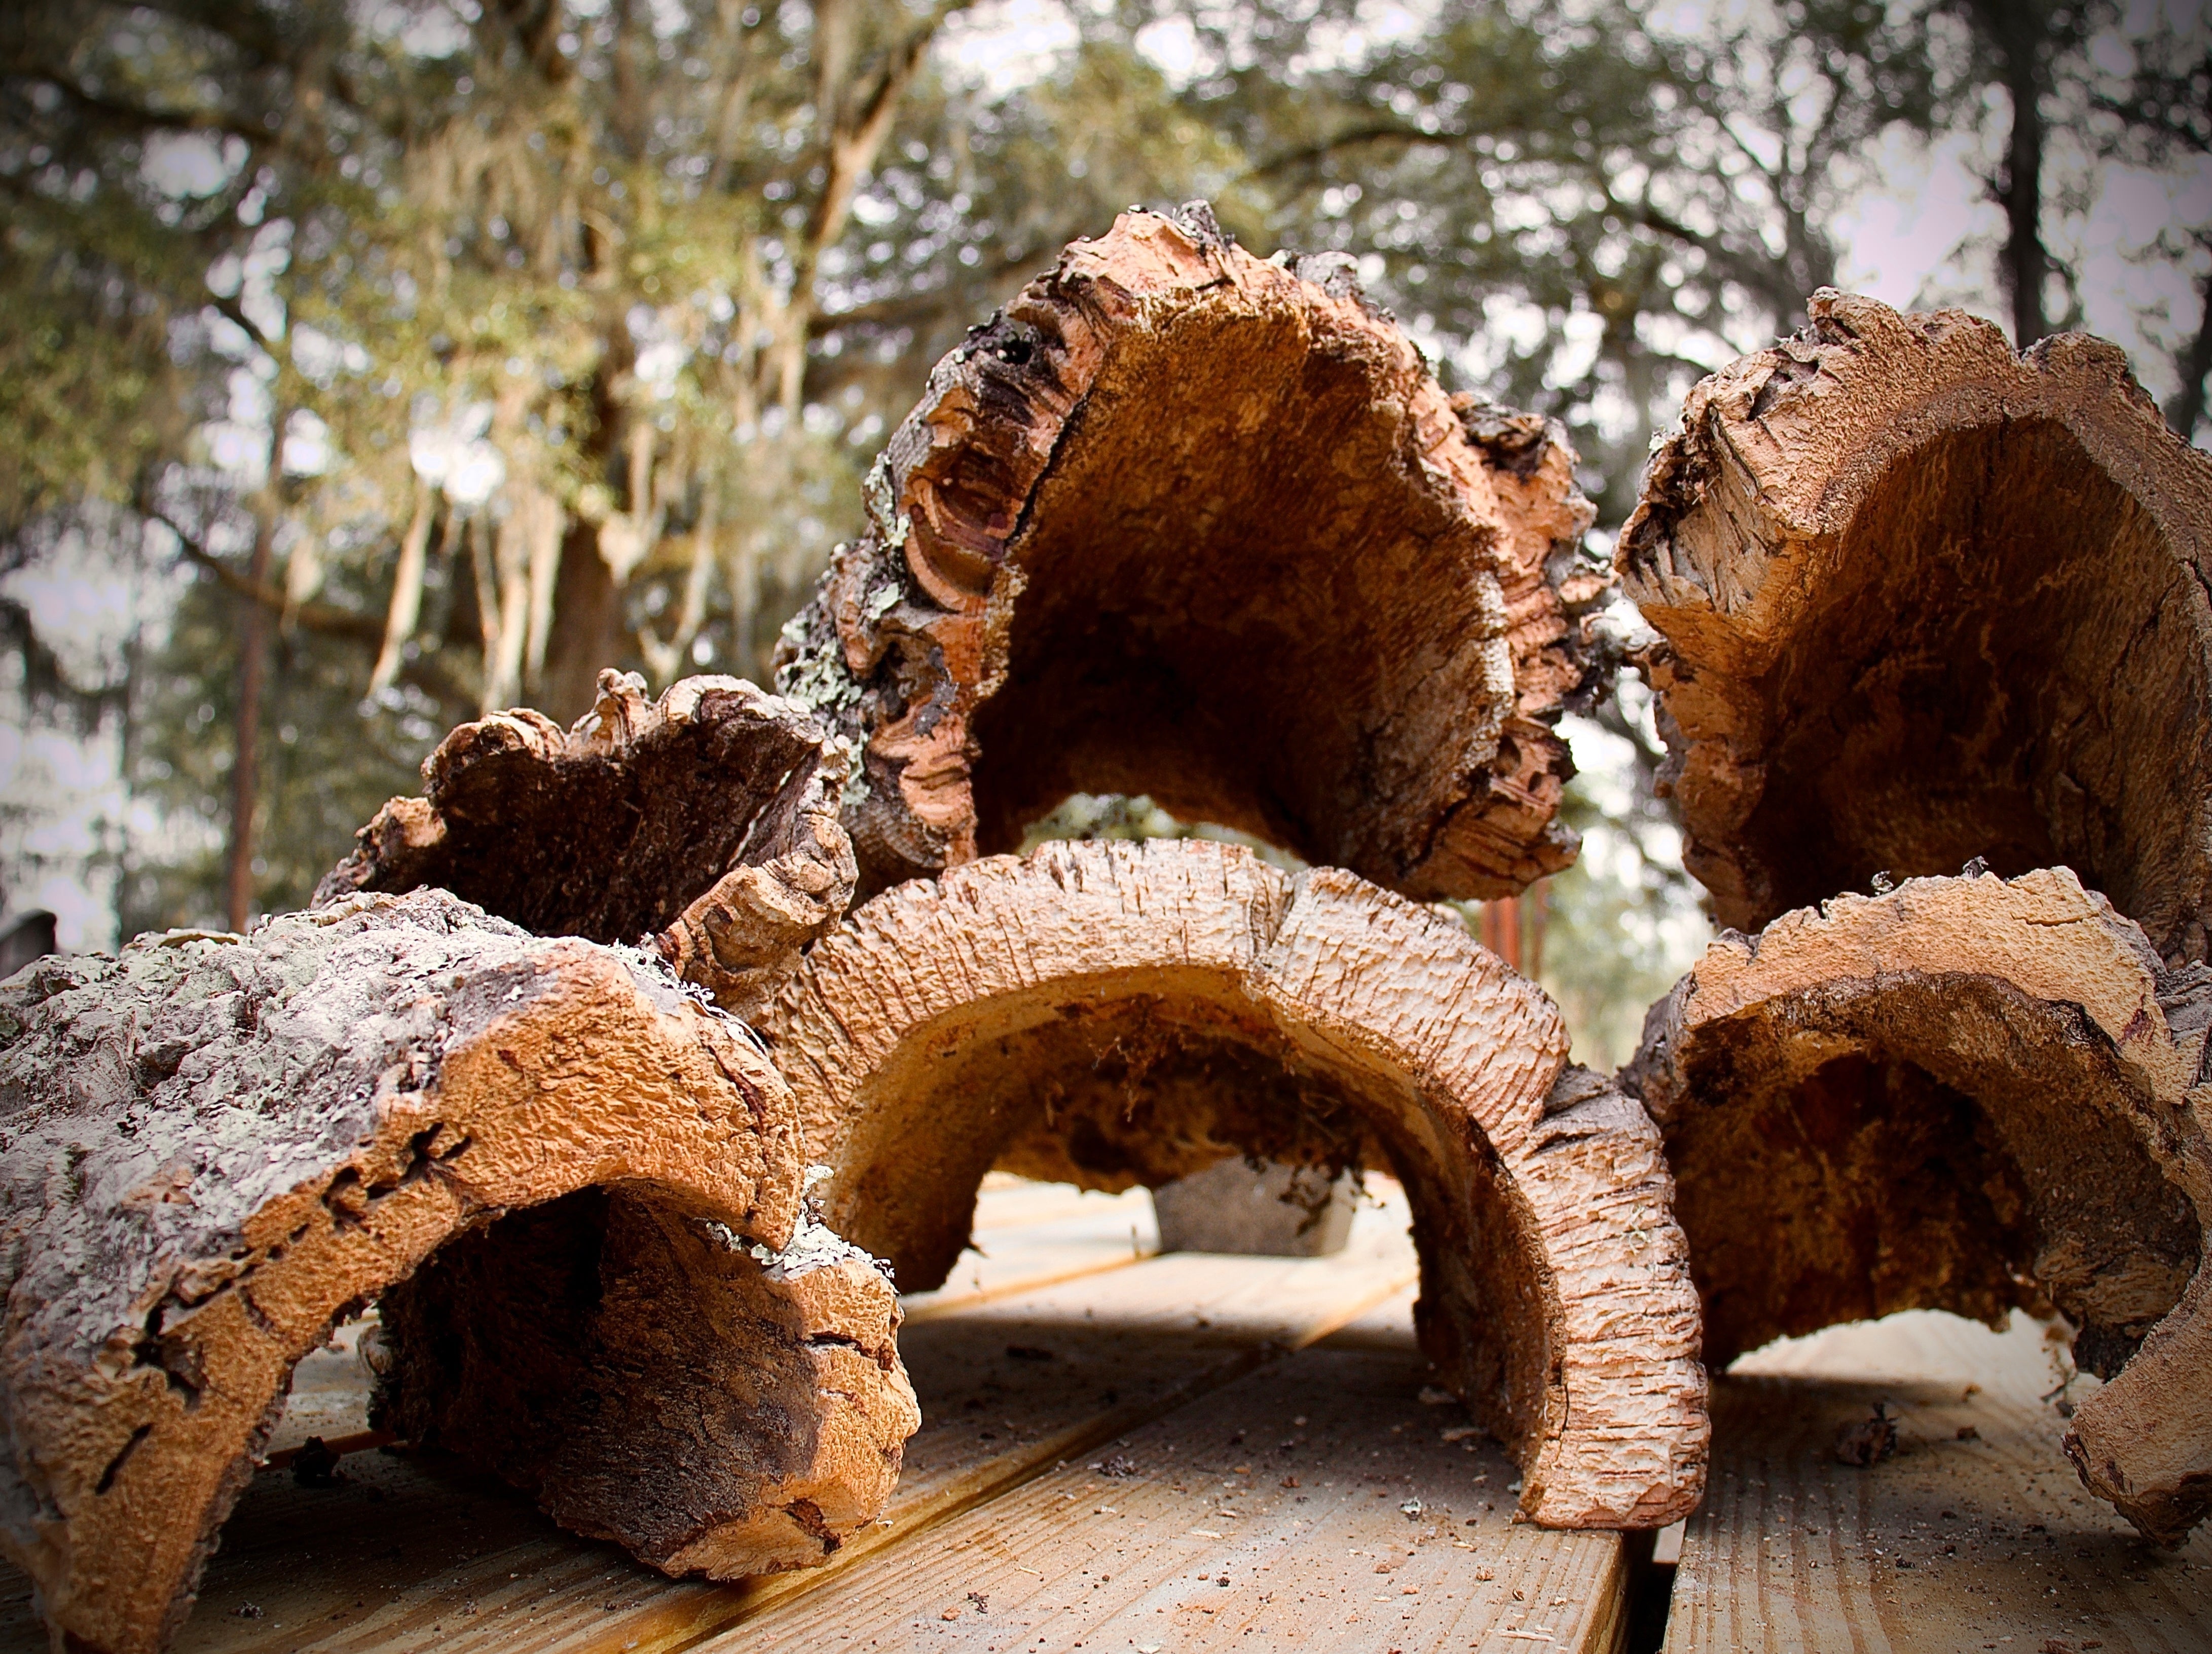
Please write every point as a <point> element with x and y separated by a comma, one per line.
<point>2023,45</point>
<point>1579,209</point>
<point>2158,114</point>
<point>469,349</point>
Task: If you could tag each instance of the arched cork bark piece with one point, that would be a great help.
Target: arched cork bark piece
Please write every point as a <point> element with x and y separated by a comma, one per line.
<point>943,1017</point>
<point>1925,601</point>
<point>1964,1095</point>
<point>707,820</point>
<point>213,1149</point>
<point>1185,522</point>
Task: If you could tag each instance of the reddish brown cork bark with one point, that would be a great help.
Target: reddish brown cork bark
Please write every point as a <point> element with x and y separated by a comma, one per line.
<point>213,1149</point>
<point>1969,1094</point>
<point>1925,601</point>
<point>705,821</point>
<point>1185,522</point>
<point>1205,1004</point>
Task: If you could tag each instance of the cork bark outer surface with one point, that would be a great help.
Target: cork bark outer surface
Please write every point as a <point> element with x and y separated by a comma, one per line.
<point>1185,522</point>
<point>214,1148</point>
<point>1923,601</point>
<point>706,820</point>
<point>945,1018</point>
<point>1967,1094</point>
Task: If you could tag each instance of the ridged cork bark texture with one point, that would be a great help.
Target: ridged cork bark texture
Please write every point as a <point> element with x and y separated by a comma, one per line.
<point>1967,1094</point>
<point>1925,601</point>
<point>1185,522</point>
<point>705,821</point>
<point>213,1149</point>
<point>1152,982</point>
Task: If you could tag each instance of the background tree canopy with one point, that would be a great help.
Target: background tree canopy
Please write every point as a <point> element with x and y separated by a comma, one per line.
<point>368,363</point>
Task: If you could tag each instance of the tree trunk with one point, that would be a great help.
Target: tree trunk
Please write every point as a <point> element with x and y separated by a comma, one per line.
<point>2186,411</point>
<point>1924,601</point>
<point>1157,1007</point>
<point>245,744</point>
<point>1184,521</point>
<point>406,604</point>
<point>588,635</point>
<point>704,823</point>
<point>2025,262</point>
<point>1965,1095</point>
<point>217,1150</point>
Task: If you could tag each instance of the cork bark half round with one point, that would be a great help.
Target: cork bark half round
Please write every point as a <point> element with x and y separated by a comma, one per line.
<point>943,1020</point>
<point>706,820</point>
<point>214,1148</point>
<point>1185,522</point>
<point>1969,1094</point>
<point>1925,601</point>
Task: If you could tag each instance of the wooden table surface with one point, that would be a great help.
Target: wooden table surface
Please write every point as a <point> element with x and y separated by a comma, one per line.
<point>1970,1542</point>
<point>1122,1451</point>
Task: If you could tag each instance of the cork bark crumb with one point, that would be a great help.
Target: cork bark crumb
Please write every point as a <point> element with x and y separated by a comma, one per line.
<point>706,820</point>
<point>214,1148</point>
<point>1925,601</point>
<point>1968,1095</point>
<point>1143,1010</point>
<point>1187,522</point>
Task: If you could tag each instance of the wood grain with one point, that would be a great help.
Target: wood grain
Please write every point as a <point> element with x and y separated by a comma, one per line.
<point>1311,1505</point>
<point>1982,1543</point>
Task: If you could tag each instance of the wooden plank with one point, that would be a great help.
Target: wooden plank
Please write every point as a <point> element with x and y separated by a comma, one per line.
<point>410,1549</point>
<point>1006,1202</point>
<point>1982,1543</point>
<point>1310,1505</point>
<point>1030,1235</point>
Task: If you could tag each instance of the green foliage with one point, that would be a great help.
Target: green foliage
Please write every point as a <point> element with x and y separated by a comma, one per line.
<point>328,763</point>
<point>1582,210</point>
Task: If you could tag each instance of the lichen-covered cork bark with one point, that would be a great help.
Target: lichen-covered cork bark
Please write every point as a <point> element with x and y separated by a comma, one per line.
<point>1185,522</point>
<point>214,1148</point>
<point>1967,1094</point>
<point>1234,1007</point>
<point>707,820</point>
<point>1923,601</point>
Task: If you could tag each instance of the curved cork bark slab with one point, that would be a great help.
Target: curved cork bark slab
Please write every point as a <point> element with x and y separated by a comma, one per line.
<point>707,820</point>
<point>1185,522</point>
<point>1965,1095</point>
<point>544,1348</point>
<point>945,1018</point>
<point>1925,601</point>
<point>213,1149</point>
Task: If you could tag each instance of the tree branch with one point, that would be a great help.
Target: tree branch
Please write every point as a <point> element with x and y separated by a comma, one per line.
<point>326,619</point>
<point>1350,138</point>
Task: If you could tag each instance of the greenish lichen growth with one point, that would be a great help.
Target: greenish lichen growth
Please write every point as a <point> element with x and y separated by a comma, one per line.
<point>816,678</point>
